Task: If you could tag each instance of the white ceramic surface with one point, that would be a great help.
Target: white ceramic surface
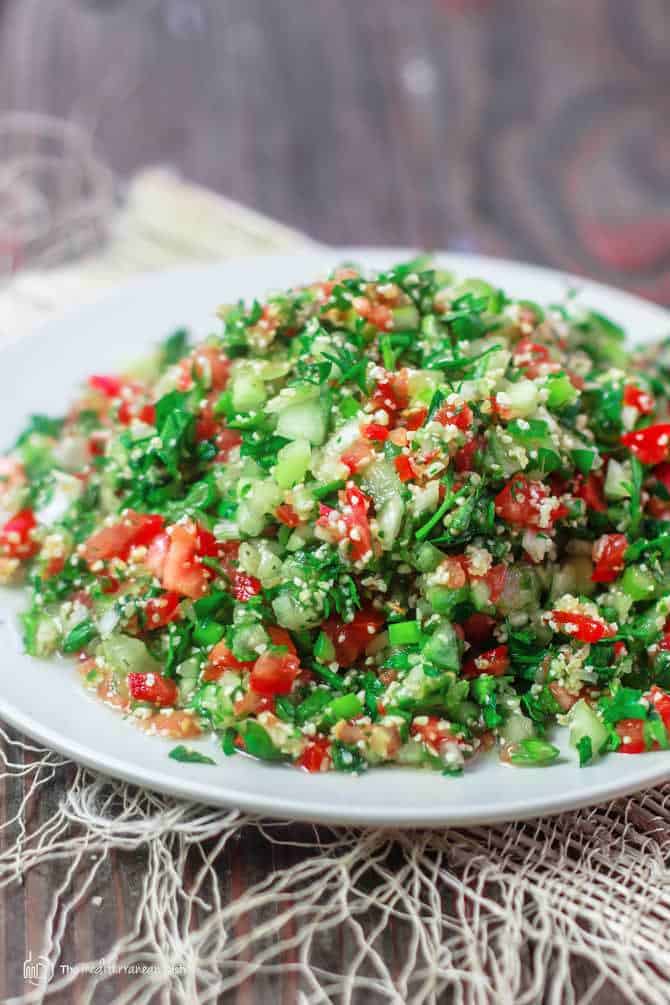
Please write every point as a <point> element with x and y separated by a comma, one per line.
<point>45,700</point>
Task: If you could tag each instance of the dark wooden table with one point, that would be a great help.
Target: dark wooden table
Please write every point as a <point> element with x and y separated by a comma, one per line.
<point>538,129</point>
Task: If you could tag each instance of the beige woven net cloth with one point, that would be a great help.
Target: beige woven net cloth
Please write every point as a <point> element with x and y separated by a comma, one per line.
<point>569,909</point>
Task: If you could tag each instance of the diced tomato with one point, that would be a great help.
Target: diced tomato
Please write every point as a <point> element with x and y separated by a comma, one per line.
<point>226,441</point>
<point>352,514</point>
<point>287,515</point>
<point>316,755</point>
<point>532,358</point>
<point>478,628</point>
<point>207,363</point>
<point>635,397</point>
<point>243,586</point>
<point>520,502</point>
<point>631,734</point>
<point>650,445</point>
<point>464,459</point>
<point>660,699</point>
<point>582,627</point>
<point>495,580</point>
<point>590,489</point>
<point>127,411</point>
<point>206,426</point>
<point>154,688</point>
<point>221,659</point>
<point>493,661</point>
<point>404,467</point>
<point>157,553</point>
<point>16,536</point>
<point>274,673</point>
<point>134,530</point>
<point>53,567</point>
<point>433,731</point>
<point>280,637</point>
<point>252,704</point>
<point>608,557</point>
<point>351,638</point>
<point>160,611</point>
<point>183,572</point>
<point>207,544</point>
<point>459,415</point>
<point>378,315</point>
<point>357,455</point>
<point>108,385</point>
<point>391,395</point>
<point>97,443</point>
<point>375,431</point>
<point>416,419</point>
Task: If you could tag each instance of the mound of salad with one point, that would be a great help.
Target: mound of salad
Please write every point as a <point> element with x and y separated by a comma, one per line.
<point>398,518</point>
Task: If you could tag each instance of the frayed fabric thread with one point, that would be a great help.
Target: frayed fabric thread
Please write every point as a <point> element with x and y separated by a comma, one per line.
<point>491,915</point>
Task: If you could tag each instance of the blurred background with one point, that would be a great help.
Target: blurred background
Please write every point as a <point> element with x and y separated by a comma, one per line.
<point>536,129</point>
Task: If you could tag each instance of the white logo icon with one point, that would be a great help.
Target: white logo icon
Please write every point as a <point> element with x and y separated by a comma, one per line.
<point>37,971</point>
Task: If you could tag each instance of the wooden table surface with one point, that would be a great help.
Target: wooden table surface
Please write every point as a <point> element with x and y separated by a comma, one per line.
<point>537,129</point>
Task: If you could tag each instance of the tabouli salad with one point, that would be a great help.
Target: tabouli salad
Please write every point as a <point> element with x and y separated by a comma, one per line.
<point>395,518</point>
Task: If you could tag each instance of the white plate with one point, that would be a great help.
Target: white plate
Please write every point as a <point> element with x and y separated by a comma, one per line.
<point>46,701</point>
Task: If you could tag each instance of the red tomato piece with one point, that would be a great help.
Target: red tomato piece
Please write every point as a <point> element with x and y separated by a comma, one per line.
<point>590,489</point>
<point>274,673</point>
<point>375,431</point>
<point>351,638</point>
<point>157,553</point>
<point>582,627</point>
<point>660,699</point>
<point>207,363</point>
<point>478,628</point>
<point>378,315</point>
<point>432,731</point>
<point>608,557</point>
<point>243,587</point>
<point>635,397</point>
<point>493,661</point>
<point>631,734</point>
<point>220,659</point>
<point>316,755</point>
<point>280,637</point>
<point>154,688</point>
<point>16,536</point>
<point>183,572</point>
<point>454,415</point>
<point>530,357</point>
<point>287,515</point>
<point>405,468</point>
<point>108,385</point>
<point>357,456</point>
<point>464,459</point>
<point>160,611</point>
<point>416,419</point>
<point>226,441</point>
<point>650,445</point>
<point>134,530</point>
<point>521,501</point>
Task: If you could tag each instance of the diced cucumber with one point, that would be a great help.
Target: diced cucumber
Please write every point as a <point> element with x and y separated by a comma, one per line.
<point>521,398</point>
<point>389,521</point>
<point>427,557</point>
<point>306,421</point>
<point>442,647</point>
<point>347,706</point>
<point>123,655</point>
<point>585,722</point>
<point>444,601</point>
<point>247,639</point>
<point>248,391</point>
<point>517,727</point>
<point>561,391</point>
<point>638,583</point>
<point>404,633</point>
<point>293,462</point>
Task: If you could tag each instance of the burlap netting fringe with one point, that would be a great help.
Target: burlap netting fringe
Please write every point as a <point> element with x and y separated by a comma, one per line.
<point>558,910</point>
